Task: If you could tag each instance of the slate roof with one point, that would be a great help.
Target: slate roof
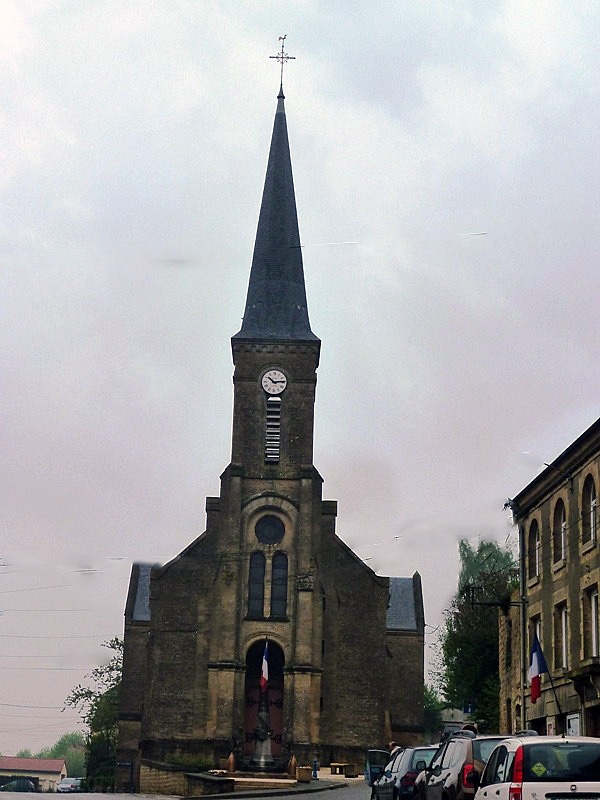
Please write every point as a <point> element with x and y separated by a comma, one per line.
<point>35,765</point>
<point>401,612</point>
<point>141,608</point>
<point>139,592</point>
<point>276,305</point>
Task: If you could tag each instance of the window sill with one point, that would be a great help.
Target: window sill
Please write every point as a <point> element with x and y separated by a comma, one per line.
<point>587,547</point>
<point>533,581</point>
<point>558,565</point>
<point>590,661</point>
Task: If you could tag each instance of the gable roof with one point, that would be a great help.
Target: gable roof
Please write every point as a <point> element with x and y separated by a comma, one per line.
<point>405,606</point>
<point>15,764</point>
<point>562,470</point>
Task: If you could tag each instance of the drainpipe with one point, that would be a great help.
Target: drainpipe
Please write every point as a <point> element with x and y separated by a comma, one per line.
<point>523,665</point>
<point>523,622</point>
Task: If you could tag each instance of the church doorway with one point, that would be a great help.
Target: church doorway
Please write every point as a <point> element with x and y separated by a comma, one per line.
<point>263,718</point>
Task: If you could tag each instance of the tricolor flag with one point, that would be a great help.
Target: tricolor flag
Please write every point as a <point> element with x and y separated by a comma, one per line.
<point>264,672</point>
<point>537,666</point>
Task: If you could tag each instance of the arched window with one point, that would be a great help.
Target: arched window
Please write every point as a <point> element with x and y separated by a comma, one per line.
<point>533,550</point>
<point>559,532</point>
<point>589,511</point>
<point>256,586</point>
<point>279,585</point>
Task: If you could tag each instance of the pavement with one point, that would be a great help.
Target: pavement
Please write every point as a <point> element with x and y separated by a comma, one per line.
<point>323,782</point>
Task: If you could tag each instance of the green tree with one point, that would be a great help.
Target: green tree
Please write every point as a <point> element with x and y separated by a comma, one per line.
<point>25,753</point>
<point>67,741</point>
<point>71,747</point>
<point>468,673</point>
<point>98,706</point>
<point>432,713</point>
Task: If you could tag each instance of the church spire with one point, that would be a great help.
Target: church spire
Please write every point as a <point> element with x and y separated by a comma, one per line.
<point>276,306</point>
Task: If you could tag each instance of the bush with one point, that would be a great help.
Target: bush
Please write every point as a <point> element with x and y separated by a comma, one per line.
<point>195,762</point>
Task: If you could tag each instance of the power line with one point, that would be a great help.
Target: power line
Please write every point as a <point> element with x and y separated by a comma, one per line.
<point>37,655</point>
<point>20,705</point>
<point>27,716</point>
<point>37,588</point>
<point>55,726</point>
<point>48,669</point>
<point>44,610</point>
<point>87,636</point>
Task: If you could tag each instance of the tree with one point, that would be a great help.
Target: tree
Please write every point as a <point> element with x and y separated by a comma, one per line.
<point>468,674</point>
<point>71,747</point>
<point>98,706</point>
<point>432,713</point>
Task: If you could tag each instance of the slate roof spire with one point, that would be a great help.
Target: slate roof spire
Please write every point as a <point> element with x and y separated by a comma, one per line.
<point>276,305</point>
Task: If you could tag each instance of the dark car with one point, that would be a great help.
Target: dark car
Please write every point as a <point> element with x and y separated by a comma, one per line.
<point>456,767</point>
<point>375,761</point>
<point>18,785</point>
<point>399,774</point>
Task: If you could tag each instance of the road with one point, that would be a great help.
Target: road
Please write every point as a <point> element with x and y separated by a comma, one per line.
<point>354,790</point>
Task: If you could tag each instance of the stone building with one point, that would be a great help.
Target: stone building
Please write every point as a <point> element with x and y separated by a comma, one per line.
<point>345,646</point>
<point>557,516</point>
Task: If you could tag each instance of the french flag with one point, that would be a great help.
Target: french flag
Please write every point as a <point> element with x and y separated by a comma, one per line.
<point>536,668</point>
<point>264,672</point>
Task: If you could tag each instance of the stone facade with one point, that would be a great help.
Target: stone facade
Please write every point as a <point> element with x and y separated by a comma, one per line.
<point>557,515</point>
<point>269,580</point>
<point>509,646</point>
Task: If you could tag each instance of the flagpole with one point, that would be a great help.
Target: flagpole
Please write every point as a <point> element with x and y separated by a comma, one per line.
<point>539,665</point>
<point>263,757</point>
<point>554,693</point>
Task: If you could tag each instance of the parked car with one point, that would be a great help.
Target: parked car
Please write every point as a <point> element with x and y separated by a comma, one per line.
<point>399,774</point>
<point>375,761</point>
<point>524,768</point>
<point>69,785</point>
<point>456,767</point>
<point>18,785</point>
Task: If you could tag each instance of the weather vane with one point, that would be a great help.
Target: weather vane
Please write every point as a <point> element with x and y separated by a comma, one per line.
<point>283,56</point>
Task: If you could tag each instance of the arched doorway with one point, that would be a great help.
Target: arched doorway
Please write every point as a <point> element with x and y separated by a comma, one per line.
<point>264,709</point>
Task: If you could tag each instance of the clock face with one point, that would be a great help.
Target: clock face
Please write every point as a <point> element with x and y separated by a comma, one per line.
<point>273,381</point>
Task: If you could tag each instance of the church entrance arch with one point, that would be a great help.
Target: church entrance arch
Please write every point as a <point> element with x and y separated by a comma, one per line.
<point>263,718</point>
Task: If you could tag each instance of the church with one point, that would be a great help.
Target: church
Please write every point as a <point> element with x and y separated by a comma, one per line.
<point>268,637</point>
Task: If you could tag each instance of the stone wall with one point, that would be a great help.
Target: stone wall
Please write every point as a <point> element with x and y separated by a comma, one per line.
<point>353,682</point>
<point>156,778</point>
<point>405,674</point>
<point>509,660</point>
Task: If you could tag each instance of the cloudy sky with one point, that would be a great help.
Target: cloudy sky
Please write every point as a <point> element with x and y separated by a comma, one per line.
<point>134,137</point>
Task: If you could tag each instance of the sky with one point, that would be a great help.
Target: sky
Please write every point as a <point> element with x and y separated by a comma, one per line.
<point>446,161</point>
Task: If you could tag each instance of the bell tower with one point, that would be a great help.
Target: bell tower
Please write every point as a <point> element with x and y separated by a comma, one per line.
<point>275,353</point>
<point>270,504</point>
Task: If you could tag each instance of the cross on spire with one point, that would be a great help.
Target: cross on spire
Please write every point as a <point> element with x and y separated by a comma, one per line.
<point>283,57</point>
